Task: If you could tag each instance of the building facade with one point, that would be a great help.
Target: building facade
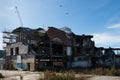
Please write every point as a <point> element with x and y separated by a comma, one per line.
<point>39,49</point>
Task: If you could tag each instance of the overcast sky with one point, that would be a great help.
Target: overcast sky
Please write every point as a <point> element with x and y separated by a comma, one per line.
<point>100,18</point>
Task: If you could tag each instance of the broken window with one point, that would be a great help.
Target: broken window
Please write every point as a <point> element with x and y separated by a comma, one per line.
<point>11,51</point>
<point>28,66</point>
<point>16,50</point>
<point>85,43</point>
<point>57,49</point>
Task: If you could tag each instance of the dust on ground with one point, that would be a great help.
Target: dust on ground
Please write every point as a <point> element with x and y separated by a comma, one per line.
<point>27,75</point>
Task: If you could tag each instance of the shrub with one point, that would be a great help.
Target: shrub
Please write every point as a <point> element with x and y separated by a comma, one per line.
<point>1,76</point>
<point>70,75</point>
<point>114,72</point>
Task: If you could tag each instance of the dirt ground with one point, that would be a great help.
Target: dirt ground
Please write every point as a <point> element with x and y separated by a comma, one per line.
<point>96,77</point>
<point>104,78</point>
<point>26,75</point>
<point>21,75</point>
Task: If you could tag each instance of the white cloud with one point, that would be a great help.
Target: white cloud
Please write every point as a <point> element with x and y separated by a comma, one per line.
<point>106,40</point>
<point>114,26</point>
<point>11,8</point>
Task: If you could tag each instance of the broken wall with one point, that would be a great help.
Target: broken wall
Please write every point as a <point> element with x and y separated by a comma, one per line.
<point>22,49</point>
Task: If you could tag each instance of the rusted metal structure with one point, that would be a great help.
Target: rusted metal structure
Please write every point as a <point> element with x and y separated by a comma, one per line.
<point>36,49</point>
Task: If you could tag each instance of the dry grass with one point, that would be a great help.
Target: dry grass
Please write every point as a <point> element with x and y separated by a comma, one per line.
<point>70,75</point>
<point>67,75</point>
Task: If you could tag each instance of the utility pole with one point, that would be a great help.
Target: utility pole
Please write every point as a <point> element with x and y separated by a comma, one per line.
<point>20,19</point>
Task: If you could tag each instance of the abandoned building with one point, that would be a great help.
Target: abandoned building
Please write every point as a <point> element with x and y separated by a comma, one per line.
<point>2,59</point>
<point>53,48</point>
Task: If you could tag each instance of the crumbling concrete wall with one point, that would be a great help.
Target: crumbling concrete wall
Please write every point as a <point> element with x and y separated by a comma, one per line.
<point>28,64</point>
<point>23,49</point>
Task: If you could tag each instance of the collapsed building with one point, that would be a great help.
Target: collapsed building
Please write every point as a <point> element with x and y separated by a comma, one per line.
<point>53,48</point>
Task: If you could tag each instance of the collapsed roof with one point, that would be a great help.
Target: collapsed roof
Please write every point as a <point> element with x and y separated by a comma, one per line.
<point>58,36</point>
<point>55,35</point>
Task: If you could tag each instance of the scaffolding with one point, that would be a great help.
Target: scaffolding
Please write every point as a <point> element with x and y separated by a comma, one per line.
<point>8,38</point>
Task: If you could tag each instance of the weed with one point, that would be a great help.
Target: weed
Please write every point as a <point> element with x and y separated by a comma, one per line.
<point>70,75</point>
